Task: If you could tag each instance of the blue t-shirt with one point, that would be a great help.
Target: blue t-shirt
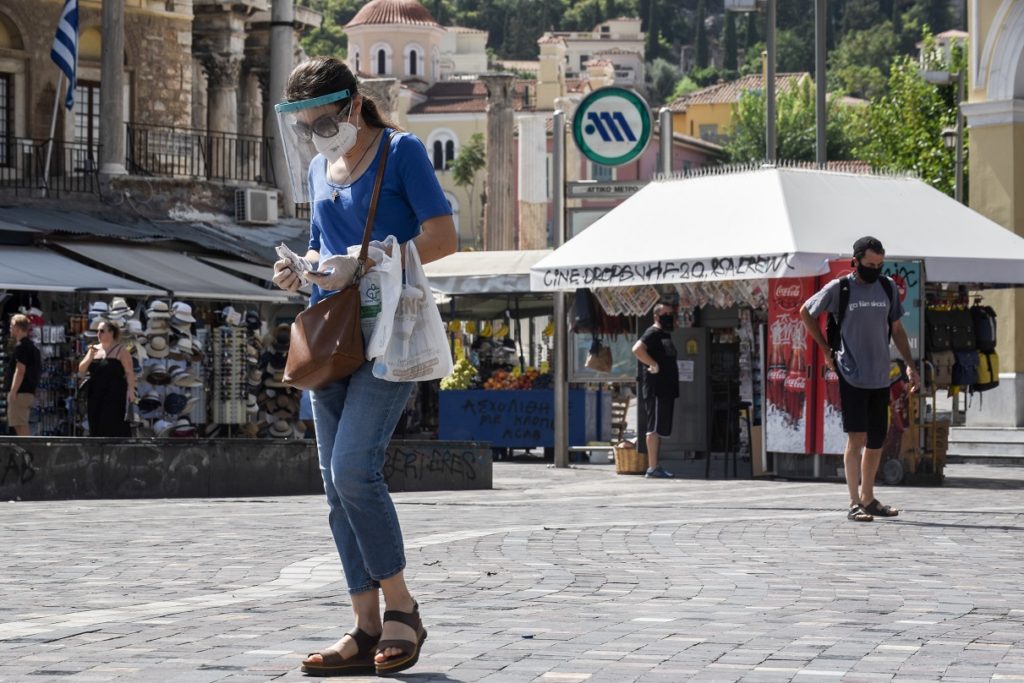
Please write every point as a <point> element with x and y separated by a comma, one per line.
<point>409,195</point>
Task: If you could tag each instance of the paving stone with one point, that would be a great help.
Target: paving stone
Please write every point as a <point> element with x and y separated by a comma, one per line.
<point>554,576</point>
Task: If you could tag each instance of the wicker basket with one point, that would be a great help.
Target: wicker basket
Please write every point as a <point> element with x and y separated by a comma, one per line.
<point>628,461</point>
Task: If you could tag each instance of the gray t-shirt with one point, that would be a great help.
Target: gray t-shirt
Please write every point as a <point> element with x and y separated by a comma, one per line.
<point>863,357</point>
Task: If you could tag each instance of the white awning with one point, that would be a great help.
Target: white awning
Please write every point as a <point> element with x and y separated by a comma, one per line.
<point>182,276</point>
<point>34,269</point>
<point>483,272</point>
<point>779,222</point>
<point>264,273</point>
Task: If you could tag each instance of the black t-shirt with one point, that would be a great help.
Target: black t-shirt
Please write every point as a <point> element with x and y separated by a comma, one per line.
<point>27,354</point>
<point>660,347</point>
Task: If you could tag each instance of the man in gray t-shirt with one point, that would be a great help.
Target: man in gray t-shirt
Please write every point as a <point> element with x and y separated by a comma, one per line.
<point>862,363</point>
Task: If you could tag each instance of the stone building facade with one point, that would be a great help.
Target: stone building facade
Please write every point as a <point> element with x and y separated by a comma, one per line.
<point>196,104</point>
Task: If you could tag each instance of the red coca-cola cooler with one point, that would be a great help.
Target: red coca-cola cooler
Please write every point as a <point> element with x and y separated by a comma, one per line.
<point>829,434</point>
<point>790,406</point>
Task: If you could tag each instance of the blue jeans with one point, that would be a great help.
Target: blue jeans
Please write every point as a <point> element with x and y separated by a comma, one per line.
<point>354,419</point>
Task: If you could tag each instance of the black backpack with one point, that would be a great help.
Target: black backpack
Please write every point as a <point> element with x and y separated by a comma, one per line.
<point>984,319</point>
<point>937,339</point>
<point>834,329</point>
<point>961,329</point>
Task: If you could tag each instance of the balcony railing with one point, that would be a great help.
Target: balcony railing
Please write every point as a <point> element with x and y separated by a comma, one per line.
<point>73,166</point>
<point>198,154</point>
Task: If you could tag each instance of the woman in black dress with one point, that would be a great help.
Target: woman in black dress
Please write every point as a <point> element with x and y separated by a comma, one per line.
<point>111,383</point>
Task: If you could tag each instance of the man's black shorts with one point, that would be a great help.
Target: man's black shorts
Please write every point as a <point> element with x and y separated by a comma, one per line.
<point>659,411</point>
<point>865,410</point>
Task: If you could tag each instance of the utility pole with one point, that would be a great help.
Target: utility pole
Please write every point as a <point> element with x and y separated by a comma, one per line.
<point>771,143</point>
<point>821,111</point>
<point>282,37</point>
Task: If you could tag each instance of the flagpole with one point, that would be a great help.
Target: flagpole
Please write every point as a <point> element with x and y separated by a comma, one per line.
<point>53,130</point>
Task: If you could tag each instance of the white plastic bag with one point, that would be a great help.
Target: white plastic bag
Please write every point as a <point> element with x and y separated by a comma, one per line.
<point>379,289</point>
<point>418,349</point>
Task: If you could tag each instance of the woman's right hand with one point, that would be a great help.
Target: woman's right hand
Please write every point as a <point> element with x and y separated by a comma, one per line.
<point>285,277</point>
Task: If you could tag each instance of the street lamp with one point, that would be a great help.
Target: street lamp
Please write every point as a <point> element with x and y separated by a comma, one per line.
<point>949,137</point>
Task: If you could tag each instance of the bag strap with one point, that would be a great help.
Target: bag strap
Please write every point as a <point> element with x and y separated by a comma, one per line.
<point>373,207</point>
<point>844,301</point>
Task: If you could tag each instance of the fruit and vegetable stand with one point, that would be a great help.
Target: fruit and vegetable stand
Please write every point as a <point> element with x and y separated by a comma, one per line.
<point>521,418</point>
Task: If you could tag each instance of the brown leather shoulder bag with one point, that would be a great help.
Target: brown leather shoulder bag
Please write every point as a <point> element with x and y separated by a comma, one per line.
<point>327,338</point>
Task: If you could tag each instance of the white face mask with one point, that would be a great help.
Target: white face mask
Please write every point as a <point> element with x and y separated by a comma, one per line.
<point>340,143</point>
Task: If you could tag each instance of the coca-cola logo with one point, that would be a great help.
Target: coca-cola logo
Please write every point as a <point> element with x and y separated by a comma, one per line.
<point>788,297</point>
<point>901,286</point>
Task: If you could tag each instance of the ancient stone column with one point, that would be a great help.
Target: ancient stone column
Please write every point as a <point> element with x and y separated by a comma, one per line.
<point>222,73</point>
<point>499,210</point>
<point>383,91</point>
<point>533,187</point>
<point>112,90</point>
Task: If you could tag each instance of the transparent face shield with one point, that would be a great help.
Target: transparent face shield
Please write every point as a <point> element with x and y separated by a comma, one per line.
<point>311,127</point>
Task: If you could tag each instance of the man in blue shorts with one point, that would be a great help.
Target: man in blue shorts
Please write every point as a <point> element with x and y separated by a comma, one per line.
<point>872,315</point>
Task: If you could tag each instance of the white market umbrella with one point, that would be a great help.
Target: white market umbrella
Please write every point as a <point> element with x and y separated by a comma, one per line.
<point>779,222</point>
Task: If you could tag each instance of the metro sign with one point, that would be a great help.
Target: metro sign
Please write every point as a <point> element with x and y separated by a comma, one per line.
<point>612,126</point>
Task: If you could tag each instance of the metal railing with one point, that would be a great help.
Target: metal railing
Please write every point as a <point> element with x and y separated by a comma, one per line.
<point>197,154</point>
<point>73,166</point>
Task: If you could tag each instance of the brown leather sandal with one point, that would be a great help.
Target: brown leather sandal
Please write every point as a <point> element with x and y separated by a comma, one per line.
<point>333,664</point>
<point>410,649</point>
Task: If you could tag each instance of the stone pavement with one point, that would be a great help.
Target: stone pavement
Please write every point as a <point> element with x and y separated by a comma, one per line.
<point>555,576</point>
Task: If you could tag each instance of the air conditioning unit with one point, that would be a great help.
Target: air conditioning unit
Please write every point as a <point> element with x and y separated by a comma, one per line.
<point>256,206</point>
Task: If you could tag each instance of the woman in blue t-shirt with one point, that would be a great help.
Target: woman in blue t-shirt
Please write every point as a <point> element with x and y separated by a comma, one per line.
<point>356,416</point>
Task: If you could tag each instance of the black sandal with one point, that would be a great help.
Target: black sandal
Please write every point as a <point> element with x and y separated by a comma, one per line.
<point>878,510</point>
<point>410,649</point>
<point>333,664</point>
<point>857,513</point>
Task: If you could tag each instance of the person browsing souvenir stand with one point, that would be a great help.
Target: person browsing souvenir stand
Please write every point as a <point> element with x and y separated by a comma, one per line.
<point>333,138</point>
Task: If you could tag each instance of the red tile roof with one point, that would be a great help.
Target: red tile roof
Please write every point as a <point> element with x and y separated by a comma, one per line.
<point>393,12</point>
<point>729,92</point>
<point>462,97</point>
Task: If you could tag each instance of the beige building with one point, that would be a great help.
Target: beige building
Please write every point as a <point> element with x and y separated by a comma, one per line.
<point>619,41</point>
<point>995,116</point>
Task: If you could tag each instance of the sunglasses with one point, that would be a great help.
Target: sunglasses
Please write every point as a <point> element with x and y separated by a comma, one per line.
<point>325,127</point>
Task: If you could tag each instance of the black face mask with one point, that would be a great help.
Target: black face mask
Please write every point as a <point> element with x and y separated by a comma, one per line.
<point>666,322</point>
<point>868,275</point>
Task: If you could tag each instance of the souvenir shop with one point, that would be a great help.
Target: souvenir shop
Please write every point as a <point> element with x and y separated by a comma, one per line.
<point>206,367</point>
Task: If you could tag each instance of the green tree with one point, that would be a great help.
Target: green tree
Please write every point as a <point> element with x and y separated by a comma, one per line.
<point>652,46</point>
<point>471,158</point>
<point>729,43</point>
<point>860,15</point>
<point>903,128</point>
<point>860,64</point>
<point>796,126</point>
<point>751,36</point>
<point>684,87</point>
<point>330,38</point>
<point>701,37</point>
<point>663,76</point>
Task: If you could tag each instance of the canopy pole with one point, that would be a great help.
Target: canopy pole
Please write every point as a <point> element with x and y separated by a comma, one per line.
<point>559,374</point>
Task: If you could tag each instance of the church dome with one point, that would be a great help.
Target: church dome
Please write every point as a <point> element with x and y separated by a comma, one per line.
<point>409,12</point>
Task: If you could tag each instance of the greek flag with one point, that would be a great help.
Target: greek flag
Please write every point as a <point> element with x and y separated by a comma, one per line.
<point>64,52</point>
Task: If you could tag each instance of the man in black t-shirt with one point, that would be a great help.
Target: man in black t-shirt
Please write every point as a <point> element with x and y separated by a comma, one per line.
<point>23,377</point>
<point>658,377</point>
